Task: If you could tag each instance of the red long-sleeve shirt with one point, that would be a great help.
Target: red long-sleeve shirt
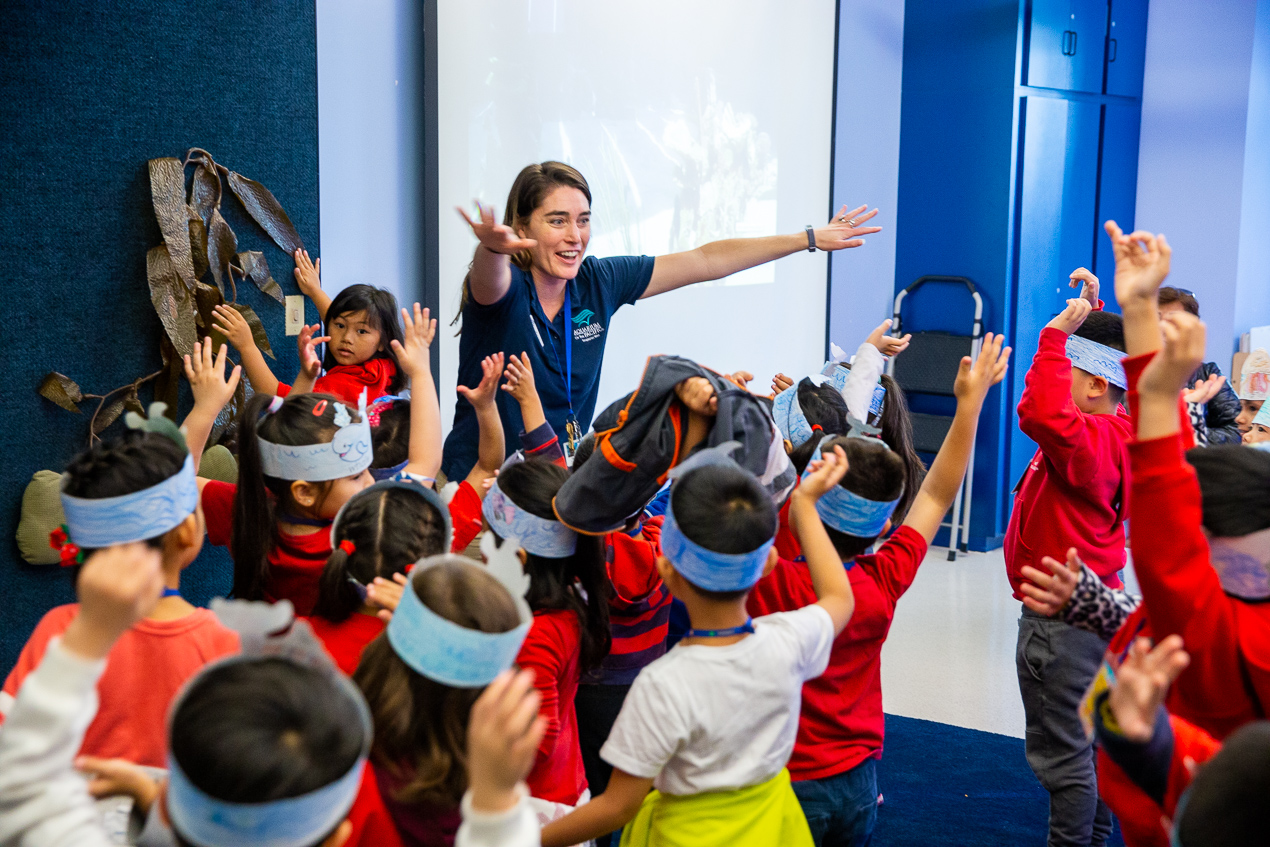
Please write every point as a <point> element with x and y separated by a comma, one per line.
<point>551,651</point>
<point>1073,493</point>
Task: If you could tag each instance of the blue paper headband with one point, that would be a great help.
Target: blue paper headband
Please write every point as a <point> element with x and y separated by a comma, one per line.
<point>348,453</point>
<point>789,417</point>
<point>293,821</point>
<point>850,513</point>
<point>381,474</point>
<point>549,539</point>
<point>1263,416</point>
<point>149,513</point>
<point>705,568</point>
<point>450,654</point>
<point>1097,359</point>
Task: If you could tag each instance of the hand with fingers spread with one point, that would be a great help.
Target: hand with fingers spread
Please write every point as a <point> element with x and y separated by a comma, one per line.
<point>1072,318</point>
<point>780,383</point>
<point>482,396</point>
<point>698,395</point>
<point>495,237</point>
<point>845,229</point>
<point>1204,390</point>
<point>211,388</point>
<point>521,386</point>
<point>502,740</point>
<point>306,344</point>
<point>1142,263</point>
<point>974,380</point>
<point>1142,681</point>
<point>1084,279</point>
<point>1184,341</point>
<point>888,345</point>
<point>117,587</point>
<point>419,330</point>
<point>119,778</point>
<point>1049,593</point>
<point>230,323</point>
<point>308,273</point>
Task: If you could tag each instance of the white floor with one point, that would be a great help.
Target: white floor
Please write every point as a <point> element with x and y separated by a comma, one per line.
<point>950,654</point>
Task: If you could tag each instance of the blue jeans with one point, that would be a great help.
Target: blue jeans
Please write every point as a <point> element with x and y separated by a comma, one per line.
<point>841,809</point>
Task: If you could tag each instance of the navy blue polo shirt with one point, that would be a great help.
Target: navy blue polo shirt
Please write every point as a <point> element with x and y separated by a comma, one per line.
<point>517,324</point>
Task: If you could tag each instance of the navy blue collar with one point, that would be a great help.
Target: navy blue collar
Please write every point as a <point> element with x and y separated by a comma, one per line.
<point>746,628</point>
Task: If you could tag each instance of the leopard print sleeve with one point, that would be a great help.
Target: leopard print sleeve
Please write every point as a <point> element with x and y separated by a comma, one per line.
<point>1096,608</point>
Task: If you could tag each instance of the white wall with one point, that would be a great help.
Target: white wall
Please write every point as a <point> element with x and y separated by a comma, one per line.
<point>867,162</point>
<point>1252,299</point>
<point>369,118</point>
<point>1191,165</point>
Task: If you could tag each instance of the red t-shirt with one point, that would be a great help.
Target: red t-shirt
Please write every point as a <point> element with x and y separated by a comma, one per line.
<point>295,561</point>
<point>144,671</point>
<point>1075,491</point>
<point>841,723</point>
<point>346,640</point>
<point>465,516</point>
<point>347,382</point>
<point>551,652</point>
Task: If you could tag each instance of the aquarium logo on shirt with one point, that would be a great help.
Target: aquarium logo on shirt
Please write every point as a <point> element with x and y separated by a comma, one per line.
<point>583,328</point>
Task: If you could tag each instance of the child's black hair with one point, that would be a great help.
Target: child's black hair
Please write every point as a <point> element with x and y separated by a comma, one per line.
<point>586,446</point>
<point>380,307</point>
<point>532,485</point>
<point>823,407</point>
<point>875,473</point>
<point>896,424</point>
<point>264,730</point>
<point>421,724</point>
<point>259,498</point>
<point>132,462</point>
<point>1234,482</point>
<point>1225,805</point>
<point>725,509</point>
<point>390,529</point>
<point>1106,328</point>
<point>391,438</point>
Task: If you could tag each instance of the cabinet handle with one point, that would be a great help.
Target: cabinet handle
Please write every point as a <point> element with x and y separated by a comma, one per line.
<point>1114,50</point>
<point>1069,42</point>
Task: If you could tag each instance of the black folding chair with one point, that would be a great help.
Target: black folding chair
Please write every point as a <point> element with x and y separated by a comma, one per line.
<point>929,366</point>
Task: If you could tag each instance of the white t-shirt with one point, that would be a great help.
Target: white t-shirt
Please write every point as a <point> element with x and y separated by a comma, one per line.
<point>705,718</point>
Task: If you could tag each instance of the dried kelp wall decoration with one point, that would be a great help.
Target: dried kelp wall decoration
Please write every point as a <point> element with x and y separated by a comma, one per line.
<point>195,269</point>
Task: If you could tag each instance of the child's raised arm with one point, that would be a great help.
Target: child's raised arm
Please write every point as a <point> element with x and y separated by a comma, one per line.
<point>946,472</point>
<point>522,387</point>
<point>1165,377</point>
<point>227,321</point>
<point>310,364</point>
<point>308,278</point>
<point>491,449</point>
<point>425,408</point>
<point>870,362</point>
<point>828,576</point>
<point>1142,263</point>
<point>211,392</point>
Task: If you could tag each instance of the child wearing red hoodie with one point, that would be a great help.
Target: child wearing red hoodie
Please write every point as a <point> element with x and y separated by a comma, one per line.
<point>1074,493</point>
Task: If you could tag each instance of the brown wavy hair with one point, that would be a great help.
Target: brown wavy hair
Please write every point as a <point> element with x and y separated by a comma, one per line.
<point>421,724</point>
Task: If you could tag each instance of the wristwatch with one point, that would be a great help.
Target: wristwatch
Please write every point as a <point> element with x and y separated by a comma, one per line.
<point>811,239</point>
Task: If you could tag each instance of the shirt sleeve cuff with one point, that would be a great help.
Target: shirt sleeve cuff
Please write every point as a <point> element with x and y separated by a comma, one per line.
<point>1053,341</point>
<point>514,827</point>
<point>1134,366</point>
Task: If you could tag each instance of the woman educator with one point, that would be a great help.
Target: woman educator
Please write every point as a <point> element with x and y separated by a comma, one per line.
<point>532,288</point>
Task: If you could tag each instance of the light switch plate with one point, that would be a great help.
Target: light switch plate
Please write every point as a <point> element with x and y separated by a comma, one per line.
<point>295,313</point>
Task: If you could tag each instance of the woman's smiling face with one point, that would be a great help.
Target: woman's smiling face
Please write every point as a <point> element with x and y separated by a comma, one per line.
<point>562,227</point>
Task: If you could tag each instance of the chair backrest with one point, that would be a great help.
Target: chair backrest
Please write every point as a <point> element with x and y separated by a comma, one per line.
<point>929,431</point>
<point>929,365</point>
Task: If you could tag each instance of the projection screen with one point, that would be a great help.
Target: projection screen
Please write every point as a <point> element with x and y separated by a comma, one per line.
<point>693,120</point>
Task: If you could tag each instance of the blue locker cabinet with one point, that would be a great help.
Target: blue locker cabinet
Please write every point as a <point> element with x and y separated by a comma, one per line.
<point>1019,126</point>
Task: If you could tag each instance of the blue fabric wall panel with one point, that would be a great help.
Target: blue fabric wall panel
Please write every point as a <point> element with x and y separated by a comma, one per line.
<point>88,93</point>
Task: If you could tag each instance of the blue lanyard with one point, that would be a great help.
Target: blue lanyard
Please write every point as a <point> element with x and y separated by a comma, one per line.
<point>743,629</point>
<point>568,349</point>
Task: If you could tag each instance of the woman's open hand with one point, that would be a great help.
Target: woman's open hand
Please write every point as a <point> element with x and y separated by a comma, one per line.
<point>495,237</point>
<point>845,229</point>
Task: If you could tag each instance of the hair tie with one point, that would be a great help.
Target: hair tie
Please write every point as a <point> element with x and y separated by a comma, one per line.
<point>348,547</point>
<point>274,405</point>
<point>59,540</point>
<point>319,408</point>
<point>817,428</point>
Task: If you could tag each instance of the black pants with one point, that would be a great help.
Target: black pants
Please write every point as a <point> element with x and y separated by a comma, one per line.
<point>598,707</point>
<point>1056,664</point>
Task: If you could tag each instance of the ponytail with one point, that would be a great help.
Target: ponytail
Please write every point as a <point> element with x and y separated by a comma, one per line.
<point>896,424</point>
